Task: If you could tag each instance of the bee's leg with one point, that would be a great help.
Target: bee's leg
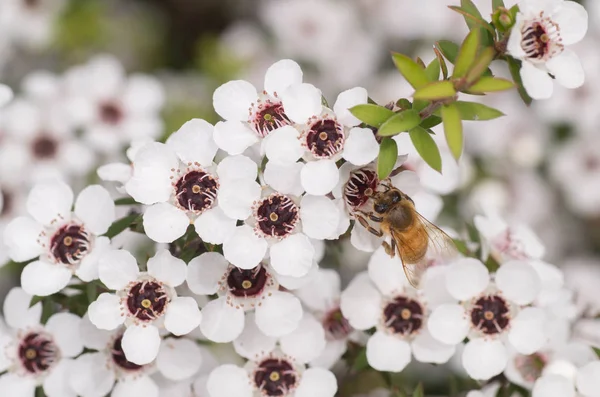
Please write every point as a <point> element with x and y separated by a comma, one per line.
<point>390,249</point>
<point>371,216</point>
<point>366,225</point>
<point>387,184</point>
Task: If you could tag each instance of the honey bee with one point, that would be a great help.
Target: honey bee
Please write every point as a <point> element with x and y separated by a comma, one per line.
<point>416,240</point>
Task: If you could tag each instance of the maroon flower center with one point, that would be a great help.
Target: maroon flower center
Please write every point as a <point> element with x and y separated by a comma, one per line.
<point>118,356</point>
<point>247,283</point>
<point>275,377</point>
<point>111,113</point>
<point>531,367</point>
<point>31,3</point>
<point>7,202</point>
<point>269,116</point>
<point>490,314</point>
<point>147,300</point>
<point>403,315</point>
<point>44,147</point>
<point>37,352</point>
<point>336,326</point>
<point>196,191</point>
<point>541,39</point>
<point>70,244</point>
<point>276,216</point>
<point>325,138</point>
<point>360,187</point>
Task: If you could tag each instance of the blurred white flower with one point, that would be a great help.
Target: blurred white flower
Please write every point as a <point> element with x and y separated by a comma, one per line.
<point>32,354</point>
<point>30,23</point>
<point>143,301</point>
<point>542,30</point>
<point>6,95</point>
<point>66,242</point>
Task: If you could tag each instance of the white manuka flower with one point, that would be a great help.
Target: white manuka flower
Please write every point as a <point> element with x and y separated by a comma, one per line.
<point>66,242</point>
<point>271,374</point>
<point>107,370</point>
<point>251,116</point>
<point>491,314</point>
<point>6,94</point>
<point>382,298</point>
<point>181,185</point>
<point>32,354</point>
<point>569,381</point>
<point>542,30</point>
<point>282,224</point>
<point>144,302</point>
<point>242,290</point>
<point>321,136</point>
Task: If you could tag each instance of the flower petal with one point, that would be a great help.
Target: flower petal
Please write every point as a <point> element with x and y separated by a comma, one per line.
<point>232,168</point>
<point>166,268</point>
<point>90,376</point>
<point>21,239</point>
<point>237,196</point>
<point>536,81</point>
<point>233,100</point>
<point>43,279</point>
<point>293,256</point>
<point>17,312</point>
<point>142,386</point>
<point>319,177</point>
<point>141,343</point>
<point>427,349</point>
<point>229,380</point>
<point>317,382</point>
<point>346,100</point>
<point>194,142</point>
<point>56,384</point>
<point>301,101</point>
<point>222,322</point>
<point>320,216</point>
<point>15,385</point>
<point>363,240</point>
<point>178,358</point>
<point>88,268</point>
<point>205,272</point>
<point>281,75</point>
<point>117,269</point>
<point>323,292</point>
<point>284,178</point>
<point>527,333</point>
<point>49,200</point>
<point>484,359</point>
<point>213,226</point>
<point>165,223</point>
<point>251,343</point>
<point>105,312</point>
<point>183,315</point>
<point>282,146</point>
<point>234,137</point>
<point>279,314</point>
<point>387,273</point>
<point>588,379</point>
<point>567,69</point>
<point>95,208</point>
<point>361,147</point>
<point>572,19</point>
<point>92,336</point>
<point>387,352</point>
<point>244,249</point>
<point>448,323</point>
<point>64,327</point>
<point>361,302</point>
<point>6,94</point>
<point>306,342</point>
<point>518,281</point>
<point>553,386</point>
<point>466,278</point>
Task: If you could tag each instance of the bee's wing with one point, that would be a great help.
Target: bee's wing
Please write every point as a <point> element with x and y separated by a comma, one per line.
<point>439,247</point>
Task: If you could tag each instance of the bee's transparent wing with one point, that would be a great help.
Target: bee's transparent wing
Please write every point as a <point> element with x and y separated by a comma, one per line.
<point>440,249</point>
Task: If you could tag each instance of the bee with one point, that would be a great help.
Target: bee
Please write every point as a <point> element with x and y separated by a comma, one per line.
<point>416,240</point>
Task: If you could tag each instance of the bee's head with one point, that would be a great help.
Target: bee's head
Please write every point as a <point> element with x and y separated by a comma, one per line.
<point>384,201</point>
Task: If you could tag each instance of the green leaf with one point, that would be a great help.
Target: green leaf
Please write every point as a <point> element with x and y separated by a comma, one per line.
<point>374,115</point>
<point>121,224</point>
<point>448,49</point>
<point>515,71</point>
<point>433,70</point>
<point>467,53</point>
<point>419,105</point>
<point>441,62</point>
<point>388,154</point>
<point>35,299</point>
<point>47,310</point>
<point>597,351</point>
<point>491,84</point>
<point>426,147</point>
<point>437,90</point>
<point>360,362</point>
<point>485,57</point>
<point>419,392</point>
<point>402,121</point>
<point>412,72</point>
<point>474,111</point>
<point>431,121</point>
<point>473,21</point>
<point>125,201</point>
<point>453,128</point>
<point>497,3</point>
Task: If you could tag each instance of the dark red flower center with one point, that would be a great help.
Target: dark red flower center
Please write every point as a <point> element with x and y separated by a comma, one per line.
<point>44,147</point>
<point>325,138</point>
<point>490,314</point>
<point>196,191</point>
<point>269,116</point>
<point>247,283</point>
<point>403,315</point>
<point>531,367</point>
<point>70,244</point>
<point>111,113</point>
<point>37,352</point>
<point>118,356</point>
<point>275,377</point>
<point>541,39</point>
<point>360,187</point>
<point>147,300</point>
<point>336,326</point>
<point>276,216</point>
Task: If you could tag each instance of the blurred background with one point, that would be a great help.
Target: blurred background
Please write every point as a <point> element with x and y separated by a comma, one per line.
<point>93,76</point>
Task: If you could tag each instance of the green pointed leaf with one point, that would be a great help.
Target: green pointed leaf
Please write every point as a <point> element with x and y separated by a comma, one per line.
<point>467,53</point>
<point>442,63</point>
<point>431,121</point>
<point>121,224</point>
<point>433,70</point>
<point>426,147</point>
<point>419,104</point>
<point>453,128</point>
<point>125,201</point>
<point>491,84</point>
<point>515,71</point>
<point>473,21</point>
<point>474,111</point>
<point>448,49</point>
<point>419,392</point>
<point>597,351</point>
<point>485,57</point>
<point>400,122</point>
<point>412,72</point>
<point>35,299</point>
<point>360,362</point>
<point>437,90</point>
<point>370,114</point>
<point>388,154</point>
